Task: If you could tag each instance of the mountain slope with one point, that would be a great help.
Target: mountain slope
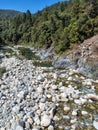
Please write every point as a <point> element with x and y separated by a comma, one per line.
<point>60,25</point>
<point>8,13</point>
<point>83,58</point>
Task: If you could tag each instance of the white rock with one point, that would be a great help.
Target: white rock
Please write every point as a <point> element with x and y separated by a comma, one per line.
<point>40,89</point>
<point>84,113</point>
<point>83,101</point>
<point>96,81</point>
<point>19,128</point>
<point>50,127</point>
<point>73,121</point>
<point>77,101</point>
<point>92,97</point>
<point>42,106</point>
<point>64,99</point>
<point>89,83</point>
<point>74,113</point>
<point>27,125</point>
<point>45,121</point>
<point>54,99</point>
<point>16,109</point>
<point>60,84</point>
<point>81,77</point>
<point>57,97</point>
<point>54,87</point>
<point>95,124</point>
<point>40,78</point>
<point>30,120</point>
<point>73,127</point>
<point>56,118</point>
<point>75,96</point>
<point>71,72</point>
<point>2,128</point>
<point>35,129</point>
<point>93,87</point>
<point>48,96</point>
<point>66,109</point>
<point>54,76</point>
<point>62,89</point>
<point>21,95</point>
<point>63,95</point>
<point>36,119</point>
<point>69,78</point>
<point>37,122</point>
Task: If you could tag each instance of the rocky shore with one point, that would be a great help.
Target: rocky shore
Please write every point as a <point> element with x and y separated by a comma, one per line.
<point>83,57</point>
<point>45,98</point>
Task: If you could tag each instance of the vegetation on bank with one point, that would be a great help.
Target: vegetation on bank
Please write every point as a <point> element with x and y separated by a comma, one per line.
<point>27,53</point>
<point>60,25</point>
<point>2,70</point>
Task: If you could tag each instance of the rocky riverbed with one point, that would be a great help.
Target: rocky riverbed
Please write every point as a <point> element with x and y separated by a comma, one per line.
<point>45,98</point>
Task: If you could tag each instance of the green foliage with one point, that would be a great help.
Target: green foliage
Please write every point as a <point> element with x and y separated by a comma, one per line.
<point>2,70</point>
<point>27,53</point>
<point>8,50</point>
<point>72,31</point>
<point>59,25</point>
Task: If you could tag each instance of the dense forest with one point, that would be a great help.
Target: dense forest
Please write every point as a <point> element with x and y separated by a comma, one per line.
<point>60,25</point>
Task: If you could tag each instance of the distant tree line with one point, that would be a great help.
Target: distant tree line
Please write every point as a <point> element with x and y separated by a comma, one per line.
<point>60,25</point>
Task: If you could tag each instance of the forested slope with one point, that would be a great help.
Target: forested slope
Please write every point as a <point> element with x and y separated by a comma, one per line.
<point>8,13</point>
<point>61,25</point>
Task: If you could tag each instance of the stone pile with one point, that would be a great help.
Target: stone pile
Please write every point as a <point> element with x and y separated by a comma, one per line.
<point>40,98</point>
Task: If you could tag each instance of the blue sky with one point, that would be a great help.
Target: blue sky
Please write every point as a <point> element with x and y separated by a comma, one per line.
<point>23,5</point>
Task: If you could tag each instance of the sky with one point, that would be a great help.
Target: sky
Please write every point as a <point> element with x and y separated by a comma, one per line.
<point>23,5</point>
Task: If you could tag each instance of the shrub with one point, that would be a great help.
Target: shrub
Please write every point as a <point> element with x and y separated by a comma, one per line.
<point>27,53</point>
<point>2,70</point>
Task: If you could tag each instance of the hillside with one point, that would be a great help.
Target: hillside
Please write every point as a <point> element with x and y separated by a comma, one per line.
<point>60,25</point>
<point>8,13</point>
